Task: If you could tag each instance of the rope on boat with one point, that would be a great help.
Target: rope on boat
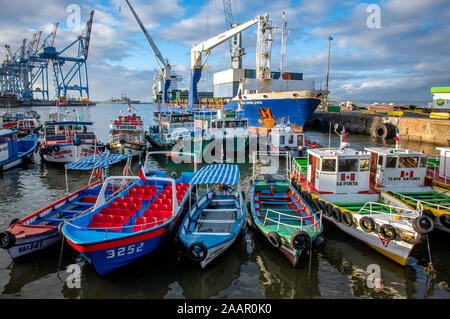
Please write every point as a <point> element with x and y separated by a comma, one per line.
<point>430,268</point>
<point>60,259</point>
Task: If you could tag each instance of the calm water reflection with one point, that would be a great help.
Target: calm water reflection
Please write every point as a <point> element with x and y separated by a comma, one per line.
<point>251,269</point>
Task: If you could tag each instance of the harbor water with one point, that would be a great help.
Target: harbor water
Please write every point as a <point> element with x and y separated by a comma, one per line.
<point>340,267</point>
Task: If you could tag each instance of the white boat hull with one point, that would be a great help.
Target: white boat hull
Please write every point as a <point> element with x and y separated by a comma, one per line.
<point>69,153</point>
<point>29,245</point>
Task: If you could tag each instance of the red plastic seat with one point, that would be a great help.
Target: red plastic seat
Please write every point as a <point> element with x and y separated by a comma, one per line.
<point>88,199</point>
<point>143,223</point>
<point>101,221</point>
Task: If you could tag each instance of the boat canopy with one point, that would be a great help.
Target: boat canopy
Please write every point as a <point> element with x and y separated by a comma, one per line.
<point>69,123</point>
<point>96,161</point>
<point>225,174</point>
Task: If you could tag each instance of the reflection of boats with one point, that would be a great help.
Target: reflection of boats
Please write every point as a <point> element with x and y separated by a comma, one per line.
<point>217,218</point>
<point>13,151</point>
<point>400,174</point>
<point>279,281</point>
<point>127,135</point>
<point>282,215</point>
<point>39,230</point>
<point>336,181</point>
<point>217,279</point>
<point>131,224</point>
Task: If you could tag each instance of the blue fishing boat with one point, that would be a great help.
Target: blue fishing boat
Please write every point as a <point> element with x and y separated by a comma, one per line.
<point>39,230</point>
<point>133,223</point>
<point>13,151</point>
<point>217,218</point>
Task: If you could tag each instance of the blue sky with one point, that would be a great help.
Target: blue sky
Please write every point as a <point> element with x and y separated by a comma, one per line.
<point>397,62</point>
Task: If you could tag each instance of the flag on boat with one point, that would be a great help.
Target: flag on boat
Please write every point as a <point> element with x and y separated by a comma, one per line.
<point>397,135</point>
<point>131,107</point>
<point>141,172</point>
<point>98,153</point>
<point>344,134</point>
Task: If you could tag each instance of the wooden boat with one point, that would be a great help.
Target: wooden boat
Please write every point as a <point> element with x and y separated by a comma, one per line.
<point>39,230</point>
<point>401,174</point>
<point>336,181</point>
<point>217,218</point>
<point>280,213</point>
<point>68,141</point>
<point>133,223</point>
<point>13,151</point>
<point>127,135</point>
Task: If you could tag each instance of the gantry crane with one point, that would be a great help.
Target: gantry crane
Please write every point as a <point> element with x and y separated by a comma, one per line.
<point>207,45</point>
<point>236,49</point>
<point>165,69</point>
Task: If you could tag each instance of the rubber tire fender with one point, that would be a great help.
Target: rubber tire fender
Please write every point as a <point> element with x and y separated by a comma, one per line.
<point>199,257</point>
<point>367,224</point>
<point>274,239</point>
<point>328,210</point>
<point>316,204</point>
<point>428,213</point>
<point>7,240</point>
<point>445,220</point>
<point>423,225</point>
<point>385,228</point>
<point>347,219</point>
<point>300,240</point>
<point>55,148</point>
<point>337,215</point>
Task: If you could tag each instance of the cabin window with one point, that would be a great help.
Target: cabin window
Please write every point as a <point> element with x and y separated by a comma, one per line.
<point>423,161</point>
<point>364,165</point>
<point>380,160</point>
<point>281,140</point>
<point>391,162</point>
<point>348,165</point>
<point>213,124</point>
<point>291,139</point>
<point>219,124</point>
<point>295,94</point>
<point>329,165</point>
<point>408,162</point>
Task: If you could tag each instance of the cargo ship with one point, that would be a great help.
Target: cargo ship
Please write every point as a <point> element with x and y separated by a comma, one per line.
<point>122,100</point>
<point>287,95</point>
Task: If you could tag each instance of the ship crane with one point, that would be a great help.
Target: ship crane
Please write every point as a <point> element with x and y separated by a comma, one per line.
<point>165,69</point>
<point>206,46</point>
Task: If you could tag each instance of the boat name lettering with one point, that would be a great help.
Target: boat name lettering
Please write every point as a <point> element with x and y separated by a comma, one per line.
<point>214,254</point>
<point>124,250</point>
<point>403,178</point>
<point>347,183</point>
<point>31,246</point>
<point>126,127</point>
<point>252,102</point>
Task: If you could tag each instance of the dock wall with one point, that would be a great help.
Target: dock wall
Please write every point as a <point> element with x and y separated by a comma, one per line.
<point>411,128</point>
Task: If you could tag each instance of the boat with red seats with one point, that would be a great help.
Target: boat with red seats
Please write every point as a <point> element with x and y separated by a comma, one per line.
<point>39,230</point>
<point>132,224</point>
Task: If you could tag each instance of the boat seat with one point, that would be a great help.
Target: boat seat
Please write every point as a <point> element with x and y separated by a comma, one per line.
<point>143,223</point>
<point>159,214</point>
<point>107,221</point>
<point>88,199</point>
<point>118,211</point>
<point>131,206</point>
<point>216,221</point>
<point>223,210</point>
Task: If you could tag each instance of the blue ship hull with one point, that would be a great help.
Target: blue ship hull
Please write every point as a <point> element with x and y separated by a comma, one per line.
<point>295,110</point>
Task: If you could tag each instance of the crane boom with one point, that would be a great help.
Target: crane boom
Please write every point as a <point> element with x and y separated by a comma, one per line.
<point>150,41</point>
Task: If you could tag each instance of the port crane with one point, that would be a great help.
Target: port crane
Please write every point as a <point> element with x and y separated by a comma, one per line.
<point>235,43</point>
<point>206,46</point>
<point>165,69</point>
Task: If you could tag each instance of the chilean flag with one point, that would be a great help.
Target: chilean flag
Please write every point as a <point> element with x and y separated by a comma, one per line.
<point>344,134</point>
<point>131,107</point>
<point>397,136</point>
<point>141,173</point>
<point>98,153</point>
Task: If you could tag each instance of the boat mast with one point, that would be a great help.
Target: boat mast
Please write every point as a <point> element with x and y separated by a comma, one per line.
<point>283,45</point>
<point>328,71</point>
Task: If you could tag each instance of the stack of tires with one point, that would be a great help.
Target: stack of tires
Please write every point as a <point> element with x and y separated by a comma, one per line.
<point>384,130</point>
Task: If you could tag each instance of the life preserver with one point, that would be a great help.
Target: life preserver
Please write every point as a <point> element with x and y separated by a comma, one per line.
<point>423,225</point>
<point>7,240</point>
<point>347,218</point>
<point>98,172</point>
<point>300,240</point>
<point>336,214</point>
<point>197,252</point>
<point>367,224</point>
<point>274,239</point>
<point>388,231</point>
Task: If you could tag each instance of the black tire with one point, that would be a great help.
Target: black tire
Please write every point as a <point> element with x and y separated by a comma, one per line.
<point>429,214</point>
<point>347,219</point>
<point>367,224</point>
<point>55,148</point>
<point>322,205</point>
<point>274,239</point>
<point>336,214</point>
<point>122,142</point>
<point>15,220</point>
<point>423,225</point>
<point>197,252</point>
<point>380,130</point>
<point>316,205</point>
<point>7,240</point>
<point>308,198</point>
<point>388,231</point>
<point>445,220</point>
<point>328,210</point>
<point>300,240</point>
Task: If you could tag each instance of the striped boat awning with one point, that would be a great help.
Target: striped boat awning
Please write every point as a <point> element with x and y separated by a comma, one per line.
<point>226,174</point>
<point>96,161</point>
